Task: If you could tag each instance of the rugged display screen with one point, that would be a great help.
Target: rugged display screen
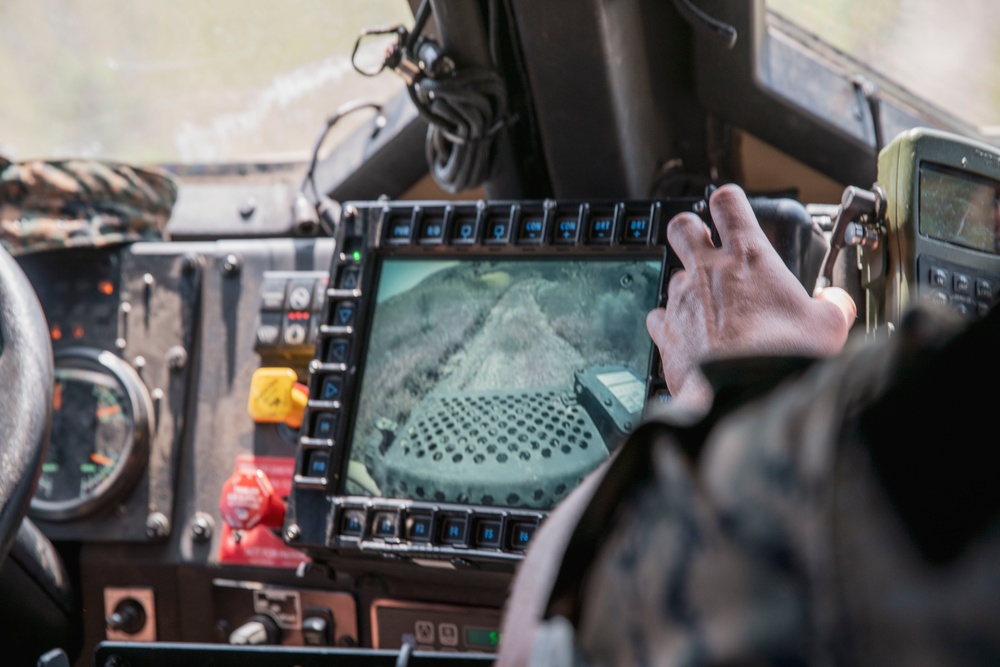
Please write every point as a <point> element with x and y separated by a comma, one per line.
<point>499,382</point>
<point>959,208</point>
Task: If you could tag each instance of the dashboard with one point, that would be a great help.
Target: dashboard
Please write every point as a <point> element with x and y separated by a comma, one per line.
<point>189,371</point>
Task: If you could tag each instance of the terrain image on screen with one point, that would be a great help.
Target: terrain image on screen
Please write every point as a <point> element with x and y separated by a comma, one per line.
<point>499,383</point>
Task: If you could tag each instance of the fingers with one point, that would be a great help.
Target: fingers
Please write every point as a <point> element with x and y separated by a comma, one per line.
<point>842,300</point>
<point>689,236</point>
<point>733,217</point>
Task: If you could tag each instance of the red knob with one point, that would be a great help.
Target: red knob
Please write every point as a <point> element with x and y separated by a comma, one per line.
<point>248,499</point>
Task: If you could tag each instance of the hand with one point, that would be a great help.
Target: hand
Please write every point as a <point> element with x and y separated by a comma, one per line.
<point>737,300</point>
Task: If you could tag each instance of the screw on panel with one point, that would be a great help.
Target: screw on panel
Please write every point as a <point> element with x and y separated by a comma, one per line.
<point>248,208</point>
<point>231,265</point>
<point>202,527</point>
<point>177,358</point>
<point>157,526</point>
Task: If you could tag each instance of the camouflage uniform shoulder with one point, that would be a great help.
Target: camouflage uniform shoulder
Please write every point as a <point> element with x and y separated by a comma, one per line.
<point>47,205</point>
<point>780,540</point>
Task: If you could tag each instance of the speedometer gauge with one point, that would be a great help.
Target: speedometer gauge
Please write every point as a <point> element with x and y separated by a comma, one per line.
<point>99,442</point>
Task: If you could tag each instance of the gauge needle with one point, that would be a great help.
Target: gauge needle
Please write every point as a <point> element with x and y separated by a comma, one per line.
<point>101,459</point>
<point>107,411</point>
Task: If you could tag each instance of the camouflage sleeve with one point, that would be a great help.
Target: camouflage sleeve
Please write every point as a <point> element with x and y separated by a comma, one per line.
<point>778,545</point>
<point>74,203</point>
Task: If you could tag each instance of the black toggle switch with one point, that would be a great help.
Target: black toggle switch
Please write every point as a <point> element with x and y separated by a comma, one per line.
<point>128,617</point>
<point>317,627</point>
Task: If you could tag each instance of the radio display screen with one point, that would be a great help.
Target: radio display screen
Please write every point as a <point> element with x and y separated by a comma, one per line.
<point>499,382</point>
<point>959,208</point>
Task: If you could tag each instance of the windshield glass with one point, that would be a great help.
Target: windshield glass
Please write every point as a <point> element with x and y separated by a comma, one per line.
<point>181,81</point>
<point>944,52</point>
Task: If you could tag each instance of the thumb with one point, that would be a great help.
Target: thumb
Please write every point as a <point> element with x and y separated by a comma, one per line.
<point>842,300</point>
<point>654,323</point>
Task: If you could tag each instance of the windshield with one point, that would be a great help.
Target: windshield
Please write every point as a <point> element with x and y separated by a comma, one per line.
<point>944,52</point>
<point>181,81</point>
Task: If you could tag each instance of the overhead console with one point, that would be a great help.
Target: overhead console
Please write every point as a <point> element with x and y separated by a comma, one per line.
<point>475,362</point>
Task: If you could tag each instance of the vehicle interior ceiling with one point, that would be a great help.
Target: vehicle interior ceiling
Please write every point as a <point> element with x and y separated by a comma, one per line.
<point>607,103</point>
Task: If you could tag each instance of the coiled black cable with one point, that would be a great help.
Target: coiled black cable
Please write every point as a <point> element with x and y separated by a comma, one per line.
<point>467,110</point>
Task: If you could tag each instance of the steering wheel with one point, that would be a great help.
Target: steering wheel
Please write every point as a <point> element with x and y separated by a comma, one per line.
<point>25,395</point>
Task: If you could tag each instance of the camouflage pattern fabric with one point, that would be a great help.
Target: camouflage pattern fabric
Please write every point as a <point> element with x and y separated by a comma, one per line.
<point>776,541</point>
<point>75,203</point>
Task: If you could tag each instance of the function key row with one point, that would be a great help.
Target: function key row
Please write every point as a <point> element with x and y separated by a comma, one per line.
<point>498,224</point>
<point>430,527</point>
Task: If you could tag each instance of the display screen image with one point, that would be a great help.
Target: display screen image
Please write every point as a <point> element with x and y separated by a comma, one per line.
<point>499,383</point>
<point>959,208</point>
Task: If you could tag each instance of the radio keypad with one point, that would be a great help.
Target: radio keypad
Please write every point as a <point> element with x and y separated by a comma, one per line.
<point>958,287</point>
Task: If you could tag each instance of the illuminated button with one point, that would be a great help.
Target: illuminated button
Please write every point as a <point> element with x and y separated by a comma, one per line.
<point>662,397</point>
<point>384,524</point>
<point>464,230</point>
<point>601,227</point>
<point>332,387</point>
<point>532,226</point>
<point>432,229</point>
<point>352,523</point>
<point>325,426</point>
<point>418,527</point>
<point>336,351</point>
<point>343,315</point>
<point>319,464</point>
<point>497,230</point>
<point>350,278</point>
<point>637,229</point>
<point>400,229</point>
<point>488,533</point>
<point>453,530</point>
<point>520,534</point>
<point>566,230</point>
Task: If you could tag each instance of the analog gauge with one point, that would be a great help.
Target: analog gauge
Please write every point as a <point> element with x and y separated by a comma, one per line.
<point>99,441</point>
